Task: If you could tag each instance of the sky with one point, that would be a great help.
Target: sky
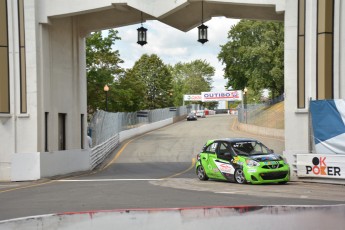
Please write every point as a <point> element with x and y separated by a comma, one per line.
<point>174,46</point>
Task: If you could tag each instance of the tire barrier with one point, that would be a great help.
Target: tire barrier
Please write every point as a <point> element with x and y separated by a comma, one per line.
<point>242,217</point>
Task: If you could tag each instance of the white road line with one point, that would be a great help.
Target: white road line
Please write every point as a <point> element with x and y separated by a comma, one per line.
<point>102,180</point>
<point>230,192</point>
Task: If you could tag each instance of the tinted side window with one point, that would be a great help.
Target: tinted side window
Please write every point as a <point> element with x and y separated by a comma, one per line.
<point>261,148</point>
<point>223,147</point>
<point>224,150</point>
<point>211,148</point>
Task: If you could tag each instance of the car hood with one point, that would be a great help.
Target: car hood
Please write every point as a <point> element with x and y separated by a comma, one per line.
<point>265,157</point>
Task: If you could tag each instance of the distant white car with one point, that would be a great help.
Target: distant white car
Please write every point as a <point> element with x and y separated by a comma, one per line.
<point>200,113</point>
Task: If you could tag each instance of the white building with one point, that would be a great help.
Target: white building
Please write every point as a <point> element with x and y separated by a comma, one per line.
<point>43,77</point>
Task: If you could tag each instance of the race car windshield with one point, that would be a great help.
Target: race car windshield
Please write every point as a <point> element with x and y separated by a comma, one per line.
<point>250,148</point>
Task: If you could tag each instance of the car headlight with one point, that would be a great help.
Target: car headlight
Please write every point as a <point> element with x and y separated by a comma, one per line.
<point>252,163</point>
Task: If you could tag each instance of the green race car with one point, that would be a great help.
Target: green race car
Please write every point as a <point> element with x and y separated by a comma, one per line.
<point>241,160</point>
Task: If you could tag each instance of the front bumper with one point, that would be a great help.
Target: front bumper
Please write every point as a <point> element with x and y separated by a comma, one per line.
<point>256,175</point>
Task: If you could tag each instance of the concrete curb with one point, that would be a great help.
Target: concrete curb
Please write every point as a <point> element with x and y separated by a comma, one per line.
<point>242,217</point>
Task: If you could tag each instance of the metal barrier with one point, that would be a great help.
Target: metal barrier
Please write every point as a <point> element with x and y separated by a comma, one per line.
<point>101,151</point>
<point>253,114</point>
<point>105,127</point>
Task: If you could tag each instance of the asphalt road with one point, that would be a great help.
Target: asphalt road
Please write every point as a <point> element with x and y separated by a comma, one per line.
<point>156,170</point>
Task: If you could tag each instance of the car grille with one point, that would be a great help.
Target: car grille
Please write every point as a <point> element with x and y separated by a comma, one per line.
<point>272,166</point>
<point>274,175</point>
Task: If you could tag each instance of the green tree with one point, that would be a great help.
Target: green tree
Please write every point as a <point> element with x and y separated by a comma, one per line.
<point>156,78</point>
<point>191,78</point>
<point>102,66</point>
<point>130,93</point>
<point>254,56</point>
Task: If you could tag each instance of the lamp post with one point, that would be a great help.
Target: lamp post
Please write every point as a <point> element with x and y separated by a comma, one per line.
<point>245,102</point>
<point>202,29</point>
<point>142,33</point>
<point>106,89</point>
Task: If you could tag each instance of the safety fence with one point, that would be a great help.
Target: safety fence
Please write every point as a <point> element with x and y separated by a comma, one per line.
<point>101,151</point>
<point>257,114</point>
<point>105,127</point>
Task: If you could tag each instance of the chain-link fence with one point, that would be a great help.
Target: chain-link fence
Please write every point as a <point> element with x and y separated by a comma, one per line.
<point>104,127</point>
<point>257,114</point>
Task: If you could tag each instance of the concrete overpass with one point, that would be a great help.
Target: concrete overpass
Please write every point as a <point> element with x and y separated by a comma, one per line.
<point>43,74</point>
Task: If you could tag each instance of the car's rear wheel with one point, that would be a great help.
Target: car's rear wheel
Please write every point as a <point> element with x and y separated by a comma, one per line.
<point>201,173</point>
<point>239,176</point>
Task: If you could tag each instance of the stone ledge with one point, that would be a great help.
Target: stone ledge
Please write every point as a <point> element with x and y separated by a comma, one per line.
<point>264,131</point>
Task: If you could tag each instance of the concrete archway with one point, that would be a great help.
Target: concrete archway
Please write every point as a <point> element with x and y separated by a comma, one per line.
<point>55,33</point>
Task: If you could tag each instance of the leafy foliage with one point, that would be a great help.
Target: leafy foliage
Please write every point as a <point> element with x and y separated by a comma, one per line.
<point>102,66</point>
<point>155,79</point>
<point>130,92</point>
<point>254,56</point>
<point>150,84</point>
<point>191,78</point>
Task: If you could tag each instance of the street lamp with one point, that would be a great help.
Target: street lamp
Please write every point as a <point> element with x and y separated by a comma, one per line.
<point>106,89</point>
<point>202,29</point>
<point>142,33</point>
<point>245,97</point>
<point>245,102</point>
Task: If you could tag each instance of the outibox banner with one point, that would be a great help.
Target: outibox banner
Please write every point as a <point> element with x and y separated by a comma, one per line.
<point>235,95</point>
<point>328,122</point>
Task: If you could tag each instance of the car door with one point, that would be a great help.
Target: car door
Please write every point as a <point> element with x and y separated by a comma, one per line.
<point>208,158</point>
<point>223,161</point>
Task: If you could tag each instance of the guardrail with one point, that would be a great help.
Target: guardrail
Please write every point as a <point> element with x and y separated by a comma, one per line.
<point>101,151</point>
<point>108,130</point>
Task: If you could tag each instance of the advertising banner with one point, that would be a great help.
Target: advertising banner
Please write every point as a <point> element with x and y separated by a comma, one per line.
<point>328,122</point>
<point>192,97</point>
<point>222,96</point>
<point>321,166</point>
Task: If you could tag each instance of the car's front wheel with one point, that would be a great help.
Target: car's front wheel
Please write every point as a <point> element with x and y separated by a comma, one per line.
<point>201,173</point>
<point>239,176</point>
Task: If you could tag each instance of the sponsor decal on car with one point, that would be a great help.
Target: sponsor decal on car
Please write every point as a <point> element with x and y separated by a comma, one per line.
<point>271,162</point>
<point>225,167</point>
<point>235,160</point>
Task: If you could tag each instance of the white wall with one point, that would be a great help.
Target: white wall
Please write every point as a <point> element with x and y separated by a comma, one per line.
<point>339,48</point>
<point>124,135</point>
<point>56,77</point>
<point>296,120</point>
<point>35,166</point>
<point>18,132</point>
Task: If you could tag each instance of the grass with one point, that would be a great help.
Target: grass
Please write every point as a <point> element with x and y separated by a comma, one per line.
<point>271,117</point>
